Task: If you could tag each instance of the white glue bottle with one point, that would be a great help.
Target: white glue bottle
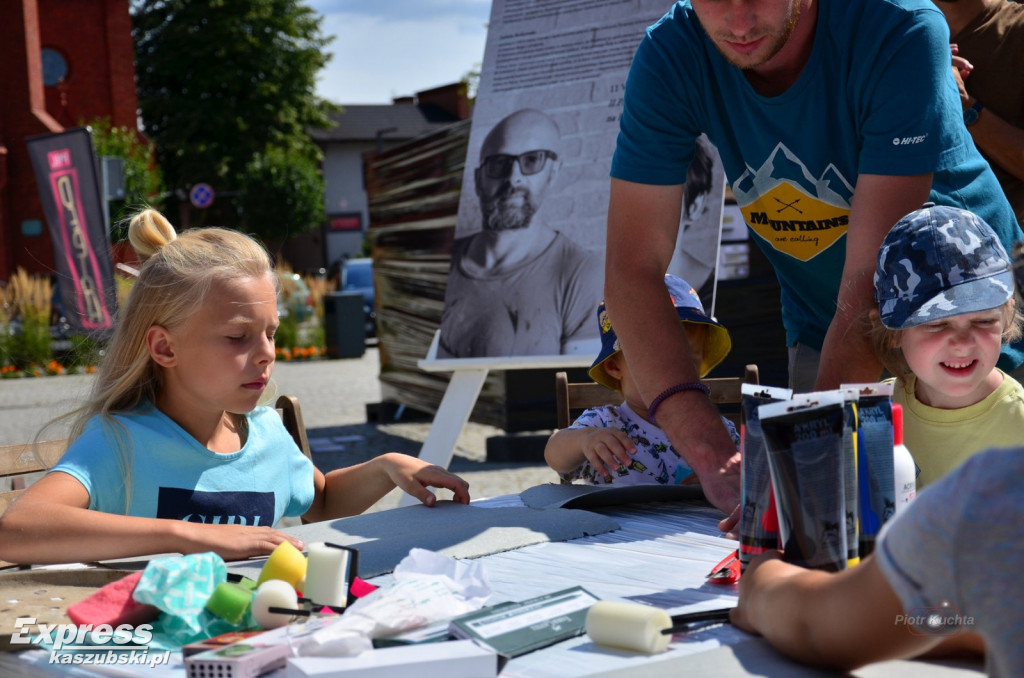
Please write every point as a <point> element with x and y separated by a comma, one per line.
<point>904,470</point>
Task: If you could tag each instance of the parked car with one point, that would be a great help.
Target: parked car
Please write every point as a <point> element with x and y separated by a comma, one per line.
<point>294,297</point>
<point>357,276</point>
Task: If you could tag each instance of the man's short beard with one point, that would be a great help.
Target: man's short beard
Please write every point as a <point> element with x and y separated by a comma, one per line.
<point>499,215</point>
<point>778,41</point>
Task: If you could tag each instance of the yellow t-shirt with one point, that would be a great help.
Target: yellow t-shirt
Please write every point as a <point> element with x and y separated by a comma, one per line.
<point>940,440</point>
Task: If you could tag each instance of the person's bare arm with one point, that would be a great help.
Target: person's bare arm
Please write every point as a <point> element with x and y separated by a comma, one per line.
<point>643,222</point>
<point>351,490</point>
<point>966,644</point>
<point>604,447</point>
<point>51,523</point>
<point>998,139</point>
<point>878,203</point>
<point>838,621</point>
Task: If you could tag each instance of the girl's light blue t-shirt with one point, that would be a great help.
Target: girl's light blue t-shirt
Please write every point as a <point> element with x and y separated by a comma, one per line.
<point>174,476</point>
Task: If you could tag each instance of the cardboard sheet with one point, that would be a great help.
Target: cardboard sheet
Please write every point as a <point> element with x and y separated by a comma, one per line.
<point>46,595</point>
<point>554,495</point>
<point>452,529</point>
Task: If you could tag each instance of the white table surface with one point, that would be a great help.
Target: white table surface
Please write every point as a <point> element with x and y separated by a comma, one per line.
<point>660,557</point>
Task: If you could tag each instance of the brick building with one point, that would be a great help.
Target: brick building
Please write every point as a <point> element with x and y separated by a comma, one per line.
<point>63,63</point>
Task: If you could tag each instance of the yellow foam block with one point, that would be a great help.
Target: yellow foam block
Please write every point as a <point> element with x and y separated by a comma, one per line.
<point>286,563</point>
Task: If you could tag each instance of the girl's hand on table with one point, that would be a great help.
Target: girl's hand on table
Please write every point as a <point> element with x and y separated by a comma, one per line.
<point>413,476</point>
<point>233,542</point>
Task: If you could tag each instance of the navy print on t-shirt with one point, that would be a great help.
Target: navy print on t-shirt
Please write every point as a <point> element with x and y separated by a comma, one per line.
<point>216,508</point>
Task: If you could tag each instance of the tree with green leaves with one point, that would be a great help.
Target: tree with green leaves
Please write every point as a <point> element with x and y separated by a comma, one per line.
<point>227,88</point>
<point>143,184</point>
<point>281,189</point>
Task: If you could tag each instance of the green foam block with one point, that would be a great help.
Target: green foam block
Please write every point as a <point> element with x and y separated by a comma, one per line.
<point>229,602</point>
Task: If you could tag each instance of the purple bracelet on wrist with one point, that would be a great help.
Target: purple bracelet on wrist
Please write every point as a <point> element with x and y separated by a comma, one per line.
<point>672,390</point>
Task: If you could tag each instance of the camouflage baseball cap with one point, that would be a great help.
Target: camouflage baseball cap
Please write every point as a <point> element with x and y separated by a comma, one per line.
<point>717,342</point>
<point>939,262</point>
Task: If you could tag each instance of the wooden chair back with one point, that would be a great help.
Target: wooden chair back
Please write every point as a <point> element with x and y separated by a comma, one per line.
<point>19,460</point>
<point>578,396</point>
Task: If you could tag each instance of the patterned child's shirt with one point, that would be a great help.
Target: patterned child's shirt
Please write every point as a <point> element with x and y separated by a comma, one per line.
<point>655,461</point>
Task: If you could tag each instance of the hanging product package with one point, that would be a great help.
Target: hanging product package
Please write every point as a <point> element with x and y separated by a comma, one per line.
<point>876,486</point>
<point>758,521</point>
<point>804,440</point>
<point>850,484</point>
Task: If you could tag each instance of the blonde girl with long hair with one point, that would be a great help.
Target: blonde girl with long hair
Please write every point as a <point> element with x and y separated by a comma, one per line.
<point>173,452</point>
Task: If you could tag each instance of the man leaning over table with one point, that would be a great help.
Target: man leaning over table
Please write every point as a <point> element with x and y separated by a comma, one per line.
<point>834,119</point>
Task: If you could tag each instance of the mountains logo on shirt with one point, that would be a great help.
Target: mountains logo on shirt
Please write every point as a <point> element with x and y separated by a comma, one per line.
<point>794,212</point>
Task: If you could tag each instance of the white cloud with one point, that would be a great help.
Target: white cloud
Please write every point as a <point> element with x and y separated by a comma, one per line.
<point>377,58</point>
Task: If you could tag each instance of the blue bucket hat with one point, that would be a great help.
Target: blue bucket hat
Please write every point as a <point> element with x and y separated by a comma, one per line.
<point>939,262</point>
<point>717,342</point>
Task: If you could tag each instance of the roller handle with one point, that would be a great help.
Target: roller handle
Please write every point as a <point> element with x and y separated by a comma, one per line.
<point>680,622</point>
<point>289,611</point>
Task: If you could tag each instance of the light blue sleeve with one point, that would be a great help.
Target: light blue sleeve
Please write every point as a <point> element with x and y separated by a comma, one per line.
<point>917,551</point>
<point>92,460</point>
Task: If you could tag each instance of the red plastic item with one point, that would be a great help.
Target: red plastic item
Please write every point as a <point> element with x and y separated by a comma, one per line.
<point>770,518</point>
<point>361,588</point>
<point>897,424</point>
<point>727,571</point>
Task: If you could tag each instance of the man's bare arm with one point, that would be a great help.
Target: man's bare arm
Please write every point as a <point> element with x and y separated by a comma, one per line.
<point>878,203</point>
<point>643,222</point>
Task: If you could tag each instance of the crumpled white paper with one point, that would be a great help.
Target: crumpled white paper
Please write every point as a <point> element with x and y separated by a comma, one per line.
<point>428,588</point>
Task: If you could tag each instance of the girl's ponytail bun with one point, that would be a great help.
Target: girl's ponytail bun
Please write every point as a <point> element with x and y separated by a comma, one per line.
<point>148,232</point>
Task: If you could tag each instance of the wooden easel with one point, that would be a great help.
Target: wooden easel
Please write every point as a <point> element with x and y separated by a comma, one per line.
<point>468,375</point>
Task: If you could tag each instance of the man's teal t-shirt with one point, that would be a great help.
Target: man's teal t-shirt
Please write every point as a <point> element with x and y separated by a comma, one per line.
<point>877,97</point>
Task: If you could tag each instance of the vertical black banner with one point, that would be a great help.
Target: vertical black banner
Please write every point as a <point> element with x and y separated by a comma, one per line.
<point>65,169</point>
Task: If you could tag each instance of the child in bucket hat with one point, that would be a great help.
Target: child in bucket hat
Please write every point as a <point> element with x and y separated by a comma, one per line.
<point>617,443</point>
<point>946,305</point>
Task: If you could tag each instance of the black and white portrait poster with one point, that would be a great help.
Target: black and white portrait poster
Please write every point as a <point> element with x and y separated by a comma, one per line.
<point>527,268</point>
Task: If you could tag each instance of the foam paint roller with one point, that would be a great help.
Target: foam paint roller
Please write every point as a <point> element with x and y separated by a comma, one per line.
<point>229,602</point>
<point>277,594</point>
<point>285,563</point>
<point>330,574</point>
<point>631,626</point>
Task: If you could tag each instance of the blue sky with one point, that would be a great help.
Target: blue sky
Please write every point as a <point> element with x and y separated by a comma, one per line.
<point>388,48</point>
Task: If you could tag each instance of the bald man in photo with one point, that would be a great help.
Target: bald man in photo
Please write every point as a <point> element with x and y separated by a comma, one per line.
<point>517,286</point>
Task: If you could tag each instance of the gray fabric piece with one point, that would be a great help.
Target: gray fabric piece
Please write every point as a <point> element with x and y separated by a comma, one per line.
<point>452,529</point>
<point>553,496</point>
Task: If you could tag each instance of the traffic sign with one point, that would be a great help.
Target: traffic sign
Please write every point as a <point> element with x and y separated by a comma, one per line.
<point>201,196</point>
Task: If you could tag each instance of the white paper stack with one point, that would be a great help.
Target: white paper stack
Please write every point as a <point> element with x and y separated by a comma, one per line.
<point>451,659</point>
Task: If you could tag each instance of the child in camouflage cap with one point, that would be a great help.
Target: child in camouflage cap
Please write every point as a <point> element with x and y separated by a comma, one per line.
<point>944,289</point>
